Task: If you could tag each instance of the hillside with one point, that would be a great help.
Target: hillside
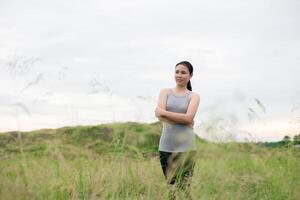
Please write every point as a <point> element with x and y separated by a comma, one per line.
<point>120,161</point>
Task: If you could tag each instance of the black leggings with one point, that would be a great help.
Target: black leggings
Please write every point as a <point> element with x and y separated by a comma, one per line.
<point>178,167</point>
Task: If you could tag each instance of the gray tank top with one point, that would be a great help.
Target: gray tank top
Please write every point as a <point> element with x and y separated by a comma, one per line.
<point>177,137</point>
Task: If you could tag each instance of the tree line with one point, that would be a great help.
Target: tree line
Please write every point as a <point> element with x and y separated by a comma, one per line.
<point>294,141</point>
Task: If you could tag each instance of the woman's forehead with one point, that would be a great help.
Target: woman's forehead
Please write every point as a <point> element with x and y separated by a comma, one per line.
<point>182,68</point>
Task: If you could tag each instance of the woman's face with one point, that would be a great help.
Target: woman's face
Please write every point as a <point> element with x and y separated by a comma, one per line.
<point>182,75</point>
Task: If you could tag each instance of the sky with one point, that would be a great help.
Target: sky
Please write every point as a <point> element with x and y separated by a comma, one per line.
<point>69,63</point>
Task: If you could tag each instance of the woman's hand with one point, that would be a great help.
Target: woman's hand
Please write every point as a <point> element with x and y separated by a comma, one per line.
<point>172,122</point>
<point>164,119</point>
<point>192,124</point>
<point>159,112</point>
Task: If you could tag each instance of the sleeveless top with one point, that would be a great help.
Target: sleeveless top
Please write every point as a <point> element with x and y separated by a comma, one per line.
<point>177,137</point>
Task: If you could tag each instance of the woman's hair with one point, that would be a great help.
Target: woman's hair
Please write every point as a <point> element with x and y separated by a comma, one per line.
<point>190,68</point>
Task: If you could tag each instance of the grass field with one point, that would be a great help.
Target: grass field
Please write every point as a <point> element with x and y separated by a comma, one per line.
<point>120,161</point>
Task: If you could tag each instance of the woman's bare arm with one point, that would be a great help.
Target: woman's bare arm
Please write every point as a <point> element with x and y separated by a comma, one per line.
<point>173,117</point>
<point>162,103</point>
<point>183,118</point>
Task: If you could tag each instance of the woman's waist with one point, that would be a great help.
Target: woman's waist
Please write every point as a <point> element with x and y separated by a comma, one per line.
<point>169,125</point>
<point>177,129</point>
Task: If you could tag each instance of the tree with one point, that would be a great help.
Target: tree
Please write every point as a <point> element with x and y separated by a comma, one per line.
<point>296,139</point>
<point>286,139</point>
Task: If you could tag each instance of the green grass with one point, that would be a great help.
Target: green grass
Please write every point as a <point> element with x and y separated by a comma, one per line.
<point>120,161</point>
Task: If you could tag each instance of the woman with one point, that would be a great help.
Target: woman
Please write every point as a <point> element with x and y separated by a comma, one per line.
<point>177,108</point>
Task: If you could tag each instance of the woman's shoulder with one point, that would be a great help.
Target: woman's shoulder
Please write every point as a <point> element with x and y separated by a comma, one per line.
<point>194,95</point>
<point>165,91</point>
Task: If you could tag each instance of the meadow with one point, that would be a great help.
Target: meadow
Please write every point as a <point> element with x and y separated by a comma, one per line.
<point>120,161</point>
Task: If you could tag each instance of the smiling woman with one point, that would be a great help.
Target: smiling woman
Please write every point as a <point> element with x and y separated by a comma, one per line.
<point>177,108</point>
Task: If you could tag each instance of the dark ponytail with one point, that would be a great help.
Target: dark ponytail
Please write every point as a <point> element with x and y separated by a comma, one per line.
<point>190,68</point>
<point>189,86</point>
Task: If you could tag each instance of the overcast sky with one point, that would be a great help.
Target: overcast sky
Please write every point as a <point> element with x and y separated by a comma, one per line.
<point>66,63</point>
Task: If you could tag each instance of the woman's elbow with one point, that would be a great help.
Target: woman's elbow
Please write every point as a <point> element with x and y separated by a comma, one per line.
<point>189,120</point>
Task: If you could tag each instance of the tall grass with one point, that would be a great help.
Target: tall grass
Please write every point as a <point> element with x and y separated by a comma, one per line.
<point>67,164</point>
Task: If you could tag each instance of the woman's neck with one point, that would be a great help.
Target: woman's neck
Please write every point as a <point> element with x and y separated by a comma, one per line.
<point>180,89</point>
